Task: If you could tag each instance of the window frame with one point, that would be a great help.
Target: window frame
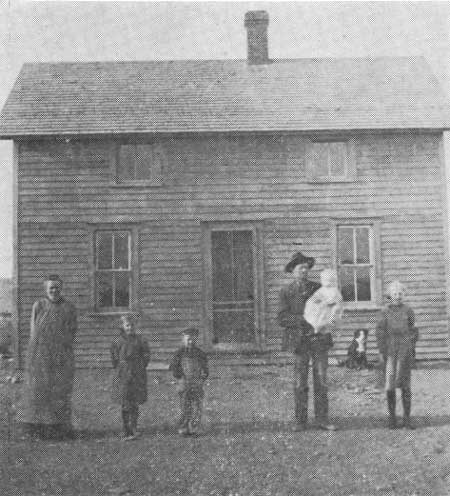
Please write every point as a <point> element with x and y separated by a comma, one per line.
<point>350,159</point>
<point>375,253</point>
<point>133,271</point>
<point>156,180</point>
<point>256,227</point>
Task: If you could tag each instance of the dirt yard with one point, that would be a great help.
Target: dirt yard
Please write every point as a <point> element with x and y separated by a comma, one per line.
<point>247,447</point>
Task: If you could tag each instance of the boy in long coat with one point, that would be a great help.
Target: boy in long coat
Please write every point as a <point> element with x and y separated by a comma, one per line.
<point>130,355</point>
<point>396,337</point>
<point>50,365</point>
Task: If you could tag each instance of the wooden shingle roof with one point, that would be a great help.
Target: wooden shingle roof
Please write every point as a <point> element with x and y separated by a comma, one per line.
<point>97,98</point>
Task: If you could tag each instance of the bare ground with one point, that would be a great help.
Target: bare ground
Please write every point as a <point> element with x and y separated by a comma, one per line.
<point>247,446</point>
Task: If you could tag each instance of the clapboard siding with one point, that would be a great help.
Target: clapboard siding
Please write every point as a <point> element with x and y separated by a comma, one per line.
<point>64,189</point>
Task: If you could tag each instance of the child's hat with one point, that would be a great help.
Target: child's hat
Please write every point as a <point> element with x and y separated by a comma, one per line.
<point>328,275</point>
<point>191,331</point>
<point>128,317</point>
<point>358,331</point>
<point>298,259</point>
<point>396,286</point>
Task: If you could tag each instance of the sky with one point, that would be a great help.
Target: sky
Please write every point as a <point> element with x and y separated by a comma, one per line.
<point>88,31</point>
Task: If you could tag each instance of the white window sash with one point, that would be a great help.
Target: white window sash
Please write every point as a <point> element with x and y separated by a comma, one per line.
<point>113,270</point>
<point>354,266</point>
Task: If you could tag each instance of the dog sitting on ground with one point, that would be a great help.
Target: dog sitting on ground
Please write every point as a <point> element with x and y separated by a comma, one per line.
<point>357,351</point>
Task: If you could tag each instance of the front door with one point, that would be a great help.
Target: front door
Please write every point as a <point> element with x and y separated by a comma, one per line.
<point>234,307</point>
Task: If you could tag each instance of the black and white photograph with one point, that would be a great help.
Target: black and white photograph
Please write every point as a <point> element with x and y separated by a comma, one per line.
<point>224,248</point>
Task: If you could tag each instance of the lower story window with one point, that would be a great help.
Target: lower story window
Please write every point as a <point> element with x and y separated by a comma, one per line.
<point>356,262</point>
<point>113,271</point>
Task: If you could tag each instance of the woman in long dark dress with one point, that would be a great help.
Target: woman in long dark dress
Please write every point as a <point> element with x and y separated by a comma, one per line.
<point>50,365</point>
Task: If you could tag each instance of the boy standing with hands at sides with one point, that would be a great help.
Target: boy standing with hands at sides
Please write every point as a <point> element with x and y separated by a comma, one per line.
<point>189,366</point>
<point>130,355</point>
<point>396,337</point>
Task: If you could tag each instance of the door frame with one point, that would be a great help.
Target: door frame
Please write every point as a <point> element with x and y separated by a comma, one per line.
<point>256,227</point>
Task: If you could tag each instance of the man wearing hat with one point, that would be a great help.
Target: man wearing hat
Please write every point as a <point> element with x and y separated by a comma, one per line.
<point>299,338</point>
<point>50,365</point>
<point>190,367</point>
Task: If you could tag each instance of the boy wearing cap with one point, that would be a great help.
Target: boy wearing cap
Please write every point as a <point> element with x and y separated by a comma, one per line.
<point>189,366</point>
<point>299,338</point>
<point>396,338</point>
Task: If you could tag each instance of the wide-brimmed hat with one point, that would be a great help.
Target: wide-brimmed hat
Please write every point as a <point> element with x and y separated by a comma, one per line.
<point>298,259</point>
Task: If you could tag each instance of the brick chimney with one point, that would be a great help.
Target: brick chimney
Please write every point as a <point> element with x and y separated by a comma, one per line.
<point>256,22</point>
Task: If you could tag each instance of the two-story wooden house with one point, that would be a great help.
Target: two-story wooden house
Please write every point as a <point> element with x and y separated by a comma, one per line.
<point>177,191</point>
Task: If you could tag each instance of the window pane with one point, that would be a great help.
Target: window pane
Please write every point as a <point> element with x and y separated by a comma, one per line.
<point>347,284</point>
<point>320,158</point>
<point>363,284</point>
<point>362,245</point>
<point>104,291</point>
<point>144,161</point>
<point>104,250</point>
<point>127,162</point>
<point>243,265</point>
<point>121,250</point>
<point>122,289</point>
<point>157,165</point>
<point>345,245</point>
<point>234,327</point>
<point>222,265</point>
<point>337,164</point>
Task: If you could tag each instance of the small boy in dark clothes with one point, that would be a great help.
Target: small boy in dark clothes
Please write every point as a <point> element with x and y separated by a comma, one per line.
<point>190,366</point>
<point>130,355</point>
<point>396,337</point>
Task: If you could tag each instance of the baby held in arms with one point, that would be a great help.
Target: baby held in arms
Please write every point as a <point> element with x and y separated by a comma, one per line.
<point>324,308</point>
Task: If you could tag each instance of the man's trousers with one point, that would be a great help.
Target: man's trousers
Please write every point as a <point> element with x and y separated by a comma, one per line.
<point>317,353</point>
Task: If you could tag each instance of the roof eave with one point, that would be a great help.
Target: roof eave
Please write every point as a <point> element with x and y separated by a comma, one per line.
<point>115,134</point>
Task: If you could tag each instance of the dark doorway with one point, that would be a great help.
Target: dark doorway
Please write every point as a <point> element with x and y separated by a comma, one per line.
<point>233,286</point>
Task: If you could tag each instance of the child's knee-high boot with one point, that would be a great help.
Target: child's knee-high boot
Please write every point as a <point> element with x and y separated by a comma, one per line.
<point>126,422</point>
<point>134,415</point>
<point>390,396</point>
<point>406,400</point>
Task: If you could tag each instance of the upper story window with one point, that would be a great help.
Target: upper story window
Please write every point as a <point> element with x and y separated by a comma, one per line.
<point>140,164</point>
<point>330,160</point>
